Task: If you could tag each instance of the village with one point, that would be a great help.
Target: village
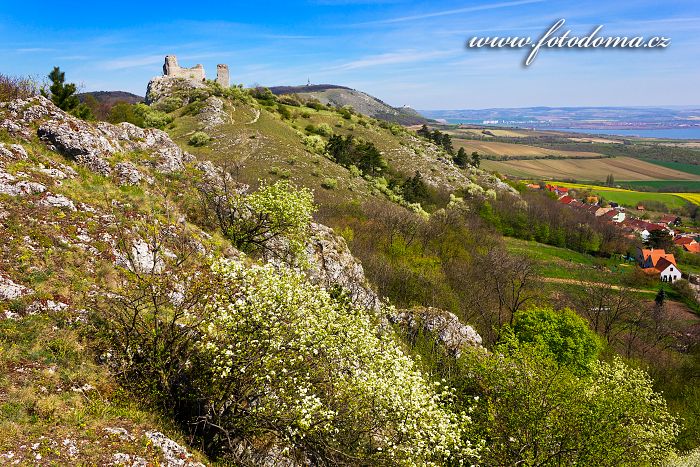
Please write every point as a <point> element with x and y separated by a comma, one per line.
<point>653,260</point>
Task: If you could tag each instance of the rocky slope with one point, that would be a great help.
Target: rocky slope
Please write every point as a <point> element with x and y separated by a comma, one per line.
<point>77,200</point>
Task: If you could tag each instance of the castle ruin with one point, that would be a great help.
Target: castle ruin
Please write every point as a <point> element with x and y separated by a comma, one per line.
<point>196,73</point>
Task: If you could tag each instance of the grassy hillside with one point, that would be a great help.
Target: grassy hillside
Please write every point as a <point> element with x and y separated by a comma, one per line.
<point>363,103</point>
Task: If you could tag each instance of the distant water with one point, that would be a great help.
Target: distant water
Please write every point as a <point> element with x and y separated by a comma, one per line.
<point>670,133</point>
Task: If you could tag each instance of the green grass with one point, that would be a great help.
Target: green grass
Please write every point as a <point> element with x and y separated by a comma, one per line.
<point>683,167</point>
<point>665,185</point>
<point>562,263</point>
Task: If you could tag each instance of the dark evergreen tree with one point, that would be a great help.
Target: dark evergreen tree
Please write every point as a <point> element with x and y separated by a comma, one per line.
<point>424,131</point>
<point>63,95</point>
<point>341,149</point>
<point>446,142</point>
<point>369,159</point>
<point>461,159</point>
<point>414,189</point>
<point>660,239</point>
<point>660,298</point>
<point>476,159</point>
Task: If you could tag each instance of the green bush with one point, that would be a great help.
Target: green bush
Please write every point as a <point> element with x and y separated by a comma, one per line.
<point>322,129</point>
<point>329,183</point>
<point>168,104</point>
<point>534,411</point>
<point>125,112</point>
<point>284,112</point>
<point>152,118</point>
<point>199,139</point>
<point>316,105</point>
<point>562,333</point>
<point>289,99</point>
<point>314,143</point>
<point>346,112</point>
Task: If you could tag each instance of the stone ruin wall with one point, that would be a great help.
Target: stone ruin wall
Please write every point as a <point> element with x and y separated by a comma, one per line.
<point>171,68</point>
<point>196,73</point>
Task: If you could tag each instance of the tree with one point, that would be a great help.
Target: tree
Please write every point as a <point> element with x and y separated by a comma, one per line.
<point>476,159</point>
<point>610,180</point>
<point>63,95</point>
<point>660,298</point>
<point>125,112</point>
<point>533,411</point>
<point>414,189</point>
<point>446,142</point>
<point>368,159</point>
<point>562,333</point>
<point>423,131</point>
<point>253,222</point>
<point>660,239</point>
<point>285,358</point>
<point>461,159</point>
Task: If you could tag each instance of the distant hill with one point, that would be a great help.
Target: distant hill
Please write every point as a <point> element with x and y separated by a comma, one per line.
<point>112,97</point>
<point>576,117</point>
<point>360,101</point>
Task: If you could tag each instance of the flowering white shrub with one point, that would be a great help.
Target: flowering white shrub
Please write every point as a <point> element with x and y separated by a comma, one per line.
<point>289,359</point>
<point>260,221</point>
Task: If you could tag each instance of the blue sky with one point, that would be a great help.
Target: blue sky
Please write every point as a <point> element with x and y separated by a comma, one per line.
<point>406,53</point>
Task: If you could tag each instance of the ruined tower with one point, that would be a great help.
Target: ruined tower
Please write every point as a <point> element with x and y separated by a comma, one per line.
<point>222,75</point>
<point>171,68</point>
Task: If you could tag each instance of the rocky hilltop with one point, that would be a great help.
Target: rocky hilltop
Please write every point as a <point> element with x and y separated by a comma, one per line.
<point>360,101</point>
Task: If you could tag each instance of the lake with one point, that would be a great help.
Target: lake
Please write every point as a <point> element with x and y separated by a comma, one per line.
<point>670,133</point>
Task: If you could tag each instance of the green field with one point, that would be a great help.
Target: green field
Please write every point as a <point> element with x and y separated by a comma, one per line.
<point>688,168</point>
<point>562,263</point>
<point>665,185</point>
<point>632,198</point>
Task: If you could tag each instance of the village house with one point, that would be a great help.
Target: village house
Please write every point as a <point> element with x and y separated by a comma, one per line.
<point>670,220</point>
<point>614,215</point>
<point>658,263</point>
<point>643,228</point>
<point>687,243</point>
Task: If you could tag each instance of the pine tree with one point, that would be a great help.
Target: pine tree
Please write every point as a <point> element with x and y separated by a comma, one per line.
<point>63,95</point>
<point>414,189</point>
<point>447,143</point>
<point>461,159</point>
<point>476,159</point>
<point>424,132</point>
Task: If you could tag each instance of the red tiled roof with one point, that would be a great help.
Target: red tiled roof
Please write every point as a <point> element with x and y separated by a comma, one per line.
<point>683,240</point>
<point>666,218</point>
<point>692,247</point>
<point>566,199</point>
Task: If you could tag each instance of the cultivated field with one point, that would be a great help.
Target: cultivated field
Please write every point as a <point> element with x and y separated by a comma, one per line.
<point>506,150</point>
<point>623,168</point>
<point>632,198</point>
<point>479,132</point>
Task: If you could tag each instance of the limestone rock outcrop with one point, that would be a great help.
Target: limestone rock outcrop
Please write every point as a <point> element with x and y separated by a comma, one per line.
<point>444,326</point>
<point>91,145</point>
<point>332,264</point>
